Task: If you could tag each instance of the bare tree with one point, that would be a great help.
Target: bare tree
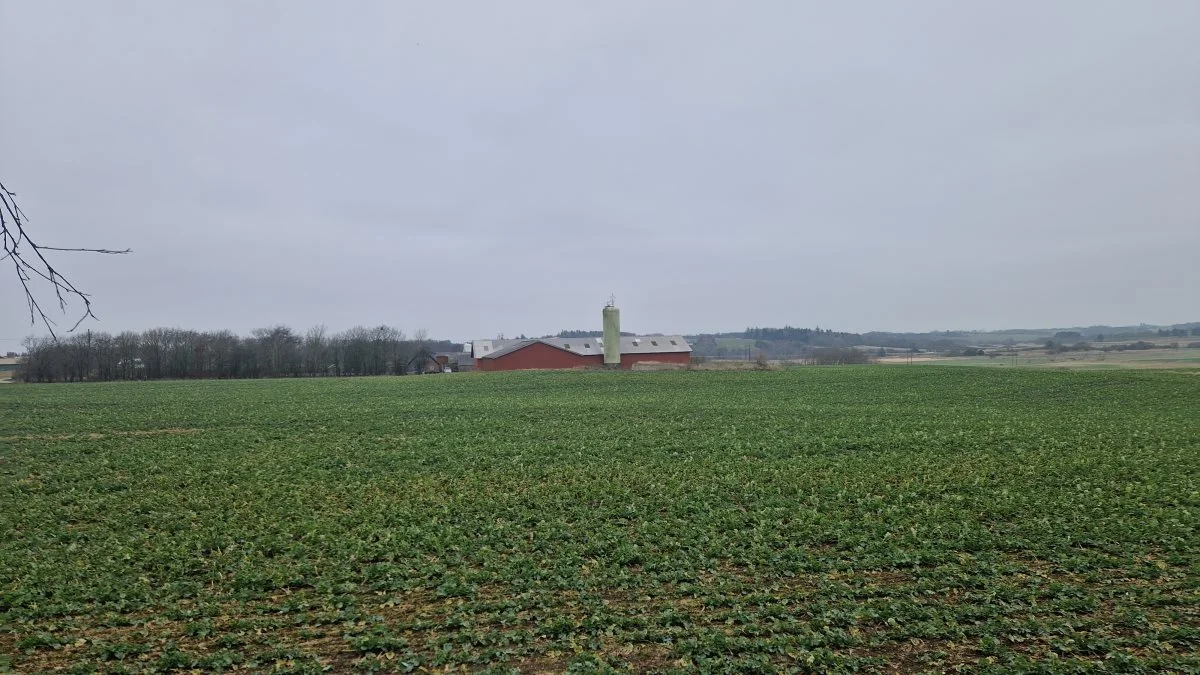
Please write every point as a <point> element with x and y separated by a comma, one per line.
<point>276,351</point>
<point>30,263</point>
<point>315,346</point>
<point>278,348</point>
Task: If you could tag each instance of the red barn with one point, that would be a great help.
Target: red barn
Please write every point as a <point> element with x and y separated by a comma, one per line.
<point>587,352</point>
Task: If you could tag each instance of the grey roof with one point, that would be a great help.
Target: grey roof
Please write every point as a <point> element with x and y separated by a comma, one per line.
<point>584,346</point>
<point>635,344</point>
<point>453,354</point>
<point>482,348</point>
<point>508,349</point>
<point>654,344</point>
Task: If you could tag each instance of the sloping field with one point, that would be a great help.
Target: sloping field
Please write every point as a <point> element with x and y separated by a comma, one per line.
<point>1166,359</point>
<point>819,519</point>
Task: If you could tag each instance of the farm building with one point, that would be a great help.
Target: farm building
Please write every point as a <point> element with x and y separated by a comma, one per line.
<point>9,366</point>
<point>613,350</point>
<point>425,362</point>
<point>580,352</point>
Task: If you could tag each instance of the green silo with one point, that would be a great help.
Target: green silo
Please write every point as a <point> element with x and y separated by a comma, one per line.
<point>612,336</point>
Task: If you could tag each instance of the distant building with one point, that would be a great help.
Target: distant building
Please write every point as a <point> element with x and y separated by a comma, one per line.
<point>581,352</point>
<point>424,362</point>
<point>457,362</point>
<point>462,362</point>
<point>9,366</point>
<point>554,353</point>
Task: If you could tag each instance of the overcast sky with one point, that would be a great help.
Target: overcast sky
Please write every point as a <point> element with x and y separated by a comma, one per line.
<point>866,165</point>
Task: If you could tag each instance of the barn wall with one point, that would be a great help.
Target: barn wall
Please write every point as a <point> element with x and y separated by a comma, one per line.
<point>538,355</point>
<point>541,356</point>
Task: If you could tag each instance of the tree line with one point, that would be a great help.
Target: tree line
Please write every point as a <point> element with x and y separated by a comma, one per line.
<point>791,334</point>
<point>585,334</point>
<point>277,351</point>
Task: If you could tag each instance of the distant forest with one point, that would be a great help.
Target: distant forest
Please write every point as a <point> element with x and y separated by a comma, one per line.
<point>277,351</point>
<point>789,342</point>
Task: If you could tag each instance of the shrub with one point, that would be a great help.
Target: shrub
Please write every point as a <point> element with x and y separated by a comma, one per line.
<point>837,356</point>
<point>965,351</point>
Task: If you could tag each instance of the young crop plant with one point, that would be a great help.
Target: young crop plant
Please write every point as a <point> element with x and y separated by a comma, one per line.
<point>840,519</point>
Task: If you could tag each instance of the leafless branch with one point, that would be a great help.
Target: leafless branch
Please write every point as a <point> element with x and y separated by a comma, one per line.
<point>85,250</point>
<point>30,264</point>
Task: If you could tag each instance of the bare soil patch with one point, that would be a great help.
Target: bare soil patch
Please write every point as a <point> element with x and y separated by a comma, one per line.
<point>96,436</point>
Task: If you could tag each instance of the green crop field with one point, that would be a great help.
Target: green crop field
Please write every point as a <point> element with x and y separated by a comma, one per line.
<point>812,519</point>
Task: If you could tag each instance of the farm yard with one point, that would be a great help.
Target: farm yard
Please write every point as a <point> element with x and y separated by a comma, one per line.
<point>877,519</point>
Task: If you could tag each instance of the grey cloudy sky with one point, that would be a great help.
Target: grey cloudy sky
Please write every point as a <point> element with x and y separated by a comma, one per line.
<point>475,168</point>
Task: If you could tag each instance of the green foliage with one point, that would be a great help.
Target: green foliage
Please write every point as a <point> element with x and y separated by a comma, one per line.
<point>831,356</point>
<point>1053,347</point>
<point>810,520</point>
